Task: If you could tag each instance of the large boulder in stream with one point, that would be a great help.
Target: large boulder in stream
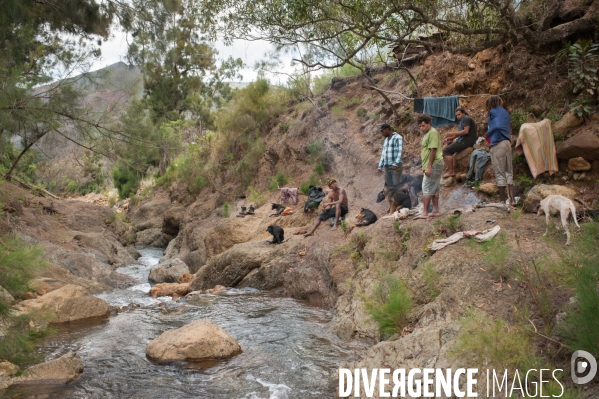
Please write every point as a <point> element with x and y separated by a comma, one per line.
<point>58,371</point>
<point>66,304</point>
<point>168,271</point>
<point>169,289</point>
<point>197,341</point>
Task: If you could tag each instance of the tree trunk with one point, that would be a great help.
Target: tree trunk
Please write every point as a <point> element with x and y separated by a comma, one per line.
<point>8,174</point>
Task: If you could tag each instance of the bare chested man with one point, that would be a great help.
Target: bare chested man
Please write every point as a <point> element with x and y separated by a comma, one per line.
<point>335,205</point>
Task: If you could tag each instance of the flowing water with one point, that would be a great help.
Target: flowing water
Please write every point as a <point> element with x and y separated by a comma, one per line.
<point>287,351</point>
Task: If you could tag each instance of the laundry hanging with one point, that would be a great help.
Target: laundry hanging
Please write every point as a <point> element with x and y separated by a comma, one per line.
<point>441,109</point>
<point>536,140</point>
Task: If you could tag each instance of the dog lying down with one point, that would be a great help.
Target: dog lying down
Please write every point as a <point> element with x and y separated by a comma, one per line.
<point>561,204</point>
<point>398,214</point>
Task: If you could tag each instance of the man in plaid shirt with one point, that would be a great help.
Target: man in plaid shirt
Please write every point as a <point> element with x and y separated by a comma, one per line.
<point>391,162</point>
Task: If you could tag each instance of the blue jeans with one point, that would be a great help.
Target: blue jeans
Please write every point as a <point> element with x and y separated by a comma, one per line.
<point>392,177</point>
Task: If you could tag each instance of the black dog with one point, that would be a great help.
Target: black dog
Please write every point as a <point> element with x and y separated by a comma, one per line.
<point>366,217</point>
<point>278,234</point>
<point>278,208</point>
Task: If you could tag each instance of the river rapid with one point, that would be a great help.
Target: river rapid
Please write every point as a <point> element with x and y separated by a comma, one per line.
<point>287,350</point>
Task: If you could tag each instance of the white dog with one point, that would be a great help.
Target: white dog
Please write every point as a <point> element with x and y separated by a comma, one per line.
<point>561,204</point>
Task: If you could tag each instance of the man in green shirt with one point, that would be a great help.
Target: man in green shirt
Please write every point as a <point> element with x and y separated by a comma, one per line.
<point>432,164</point>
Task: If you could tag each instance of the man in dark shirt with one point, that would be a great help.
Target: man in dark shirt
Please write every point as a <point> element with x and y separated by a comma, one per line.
<point>458,141</point>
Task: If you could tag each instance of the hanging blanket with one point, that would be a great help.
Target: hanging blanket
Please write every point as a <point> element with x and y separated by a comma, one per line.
<point>442,109</point>
<point>536,140</point>
<point>289,194</point>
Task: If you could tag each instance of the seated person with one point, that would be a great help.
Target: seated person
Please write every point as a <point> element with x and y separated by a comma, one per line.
<point>334,205</point>
<point>457,141</point>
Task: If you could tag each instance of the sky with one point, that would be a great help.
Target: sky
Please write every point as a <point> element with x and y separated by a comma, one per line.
<point>115,48</point>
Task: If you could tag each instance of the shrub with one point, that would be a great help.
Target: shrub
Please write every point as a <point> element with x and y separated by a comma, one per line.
<point>517,118</point>
<point>450,225</point>
<point>19,263</point>
<point>495,256</point>
<point>111,201</point>
<point>226,211</point>
<point>582,331</point>
<point>125,181</point>
<point>494,341</point>
<point>389,305</point>
<point>337,112</point>
<point>432,280</point>
<point>361,113</point>
<point>277,181</point>
<point>257,197</point>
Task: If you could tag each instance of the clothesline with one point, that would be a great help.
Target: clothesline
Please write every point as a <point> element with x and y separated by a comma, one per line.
<point>411,98</point>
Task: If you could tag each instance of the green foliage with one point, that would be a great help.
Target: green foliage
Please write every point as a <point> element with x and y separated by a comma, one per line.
<point>517,118</point>
<point>516,214</point>
<point>432,280</point>
<point>450,225</point>
<point>21,338</point>
<point>125,180</point>
<point>349,102</point>
<point>344,226</point>
<point>496,253</point>
<point>337,112</point>
<point>277,181</point>
<point>581,326</point>
<point>487,340</point>
<point>583,59</point>
<point>257,197</point>
<point>361,113</point>
<point>19,263</point>
<point>359,241</point>
<point>525,180</point>
<point>389,304</point>
<point>226,210</point>
<point>319,169</point>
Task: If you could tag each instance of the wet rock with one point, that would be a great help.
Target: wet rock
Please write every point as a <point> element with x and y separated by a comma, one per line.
<point>67,304</point>
<point>460,177</point>
<point>168,272</point>
<point>105,248</point>
<point>135,254</point>
<point>43,285</point>
<point>539,192</point>
<point>578,164</point>
<point>62,370</point>
<point>168,289</point>
<point>584,145</point>
<point>197,341</point>
<point>565,125</point>
<point>488,188</point>
<point>218,290</point>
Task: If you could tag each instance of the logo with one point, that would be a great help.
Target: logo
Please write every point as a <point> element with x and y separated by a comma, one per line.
<point>583,367</point>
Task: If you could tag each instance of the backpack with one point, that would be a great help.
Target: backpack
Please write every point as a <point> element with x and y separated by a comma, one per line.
<point>315,197</point>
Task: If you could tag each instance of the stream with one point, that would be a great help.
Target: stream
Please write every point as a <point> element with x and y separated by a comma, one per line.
<point>287,349</point>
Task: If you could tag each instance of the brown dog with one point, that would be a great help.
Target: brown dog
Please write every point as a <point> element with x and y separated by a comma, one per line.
<point>561,204</point>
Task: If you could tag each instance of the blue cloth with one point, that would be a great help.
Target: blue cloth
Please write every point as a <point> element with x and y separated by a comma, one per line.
<point>392,149</point>
<point>442,109</point>
<point>499,125</point>
<point>479,157</point>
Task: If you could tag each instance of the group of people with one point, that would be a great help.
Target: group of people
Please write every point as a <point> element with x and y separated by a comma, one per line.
<point>434,154</point>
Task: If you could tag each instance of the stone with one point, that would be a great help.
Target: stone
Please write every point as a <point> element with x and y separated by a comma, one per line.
<point>541,191</point>
<point>460,177</point>
<point>168,271</point>
<point>578,164</point>
<point>488,188</point>
<point>185,278</point>
<point>8,369</point>
<point>67,304</point>
<point>62,370</point>
<point>197,341</point>
<point>172,220</point>
<point>446,182</point>
<point>565,125</point>
<point>43,285</point>
<point>537,110</point>
<point>218,290</point>
<point>150,237</point>
<point>584,145</point>
<point>461,160</point>
<point>579,176</point>
<point>168,289</point>
<point>5,296</point>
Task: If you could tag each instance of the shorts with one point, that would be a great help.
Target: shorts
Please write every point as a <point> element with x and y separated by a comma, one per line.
<point>326,215</point>
<point>501,159</point>
<point>455,147</point>
<point>432,184</point>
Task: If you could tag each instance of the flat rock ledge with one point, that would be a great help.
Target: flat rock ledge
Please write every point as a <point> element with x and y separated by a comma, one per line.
<point>198,341</point>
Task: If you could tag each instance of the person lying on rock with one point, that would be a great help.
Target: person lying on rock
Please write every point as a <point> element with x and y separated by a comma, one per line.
<point>458,141</point>
<point>334,205</point>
